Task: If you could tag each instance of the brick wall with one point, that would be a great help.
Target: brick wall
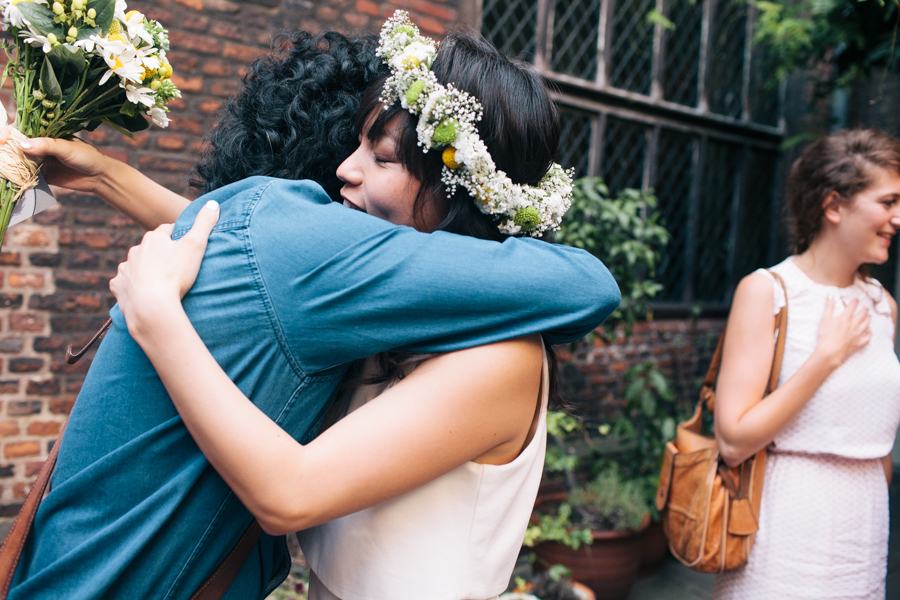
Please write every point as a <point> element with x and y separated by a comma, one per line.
<point>592,372</point>
<point>55,270</point>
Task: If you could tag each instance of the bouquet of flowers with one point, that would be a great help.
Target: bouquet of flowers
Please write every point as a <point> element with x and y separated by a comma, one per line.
<point>76,64</point>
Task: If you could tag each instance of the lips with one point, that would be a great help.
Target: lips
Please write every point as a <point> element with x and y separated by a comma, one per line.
<point>350,204</point>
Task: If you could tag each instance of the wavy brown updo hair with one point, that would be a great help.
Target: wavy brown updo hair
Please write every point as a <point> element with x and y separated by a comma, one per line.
<point>840,163</point>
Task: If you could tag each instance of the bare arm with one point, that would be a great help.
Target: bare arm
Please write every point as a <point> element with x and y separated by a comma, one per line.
<point>888,461</point>
<point>431,422</point>
<point>81,167</point>
<point>745,421</point>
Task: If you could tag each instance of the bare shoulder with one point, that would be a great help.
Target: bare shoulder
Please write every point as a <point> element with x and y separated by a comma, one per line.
<point>756,287</point>
<point>509,361</point>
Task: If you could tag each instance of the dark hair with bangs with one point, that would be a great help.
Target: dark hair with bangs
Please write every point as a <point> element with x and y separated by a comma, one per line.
<point>520,127</point>
<point>293,115</point>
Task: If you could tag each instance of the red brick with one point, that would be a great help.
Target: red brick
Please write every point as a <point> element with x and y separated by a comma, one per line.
<point>33,280</point>
<point>97,136</point>
<point>356,20</point>
<point>32,468</point>
<point>367,7</point>
<point>82,279</point>
<point>162,163</point>
<point>21,408</point>
<point>9,387</point>
<point>202,44</point>
<point>25,365</point>
<point>73,386</point>
<point>46,387</point>
<point>116,153</point>
<point>10,510</point>
<point>26,322</point>
<point>21,489</point>
<point>242,53</point>
<point>210,106</point>
<point>188,84</point>
<point>137,140</point>
<point>215,67</point>
<point>175,104</point>
<point>327,13</point>
<point>227,30</point>
<point>431,25</point>
<point>224,88</point>
<point>51,216</point>
<point>222,6</point>
<point>188,125</point>
<point>22,449</point>
<point>62,406</point>
<point>9,428</point>
<point>28,236</point>
<point>45,428</point>
<point>13,259</point>
<point>183,61</point>
<point>194,22</point>
<point>170,142</point>
<point>120,220</point>
<point>434,10</point>
<point>193,4</point>
<point>157,13</point>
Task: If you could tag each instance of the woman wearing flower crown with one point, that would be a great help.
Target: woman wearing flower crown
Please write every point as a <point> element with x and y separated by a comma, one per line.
<point>428,490</point>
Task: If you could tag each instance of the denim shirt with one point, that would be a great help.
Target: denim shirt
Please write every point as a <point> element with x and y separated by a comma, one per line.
<point>292,288</point>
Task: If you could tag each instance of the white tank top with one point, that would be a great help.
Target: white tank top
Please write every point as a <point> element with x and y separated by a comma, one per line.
<point>856,410</point>
<point>454,538</point>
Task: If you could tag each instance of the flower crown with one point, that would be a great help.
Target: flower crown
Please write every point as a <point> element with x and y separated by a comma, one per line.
<point>447,118</point>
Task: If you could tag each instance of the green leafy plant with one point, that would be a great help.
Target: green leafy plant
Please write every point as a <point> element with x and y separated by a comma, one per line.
<point>558,527</point>
<point>624,231</point>
<point>647,422</point>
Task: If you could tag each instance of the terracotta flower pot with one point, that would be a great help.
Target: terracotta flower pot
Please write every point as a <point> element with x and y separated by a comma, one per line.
<point>654,548</point>
<point>609,566</point>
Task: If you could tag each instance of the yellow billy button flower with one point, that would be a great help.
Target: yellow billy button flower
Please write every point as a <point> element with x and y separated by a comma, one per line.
<point>165,70</point>
<point>449,158</point>
<point>115,28</point>
<point>58,8</point>
<point>131,13</point>
<point>118,37</point>
<point>409,62</point>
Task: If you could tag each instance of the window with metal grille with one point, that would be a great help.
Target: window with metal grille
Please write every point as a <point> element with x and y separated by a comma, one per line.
<point>682,105</point>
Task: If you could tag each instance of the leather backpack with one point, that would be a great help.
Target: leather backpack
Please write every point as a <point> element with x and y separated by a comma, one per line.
<point>710,511</point>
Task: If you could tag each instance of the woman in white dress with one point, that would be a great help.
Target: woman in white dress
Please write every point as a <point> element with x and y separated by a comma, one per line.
<point>449,457</point>
<point>831,422</point>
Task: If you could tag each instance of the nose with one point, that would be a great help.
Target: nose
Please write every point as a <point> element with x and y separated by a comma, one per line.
<point>348,171</point>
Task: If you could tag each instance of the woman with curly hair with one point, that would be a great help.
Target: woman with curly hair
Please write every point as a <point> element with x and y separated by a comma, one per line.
<point>830,423</point>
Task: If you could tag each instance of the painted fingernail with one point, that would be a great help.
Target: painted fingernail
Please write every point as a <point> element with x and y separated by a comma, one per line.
<point>211,205</point>
<point>26,144</point>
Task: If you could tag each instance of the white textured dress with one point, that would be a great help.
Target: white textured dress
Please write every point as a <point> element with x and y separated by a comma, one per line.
<point>455,538</point>
<point>823,529</point>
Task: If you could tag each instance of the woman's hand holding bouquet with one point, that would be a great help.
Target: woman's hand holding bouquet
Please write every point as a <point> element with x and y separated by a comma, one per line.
<point>76,64</point>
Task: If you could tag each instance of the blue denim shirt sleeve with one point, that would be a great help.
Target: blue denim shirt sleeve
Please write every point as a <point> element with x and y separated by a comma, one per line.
<point>346,285</point>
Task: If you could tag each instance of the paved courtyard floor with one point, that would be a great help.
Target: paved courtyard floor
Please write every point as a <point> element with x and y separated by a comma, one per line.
<point>674,581</point>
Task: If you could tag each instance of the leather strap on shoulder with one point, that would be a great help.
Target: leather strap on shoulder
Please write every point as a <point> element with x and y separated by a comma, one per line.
<point>11,551</point>
<point>709,382</point>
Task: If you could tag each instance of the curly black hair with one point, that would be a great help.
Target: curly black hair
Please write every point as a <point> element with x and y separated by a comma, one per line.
<point>294,114</point>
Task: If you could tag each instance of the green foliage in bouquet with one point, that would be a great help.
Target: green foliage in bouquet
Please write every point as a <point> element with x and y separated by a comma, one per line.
<point>76,64</point>
<point>625,233</point>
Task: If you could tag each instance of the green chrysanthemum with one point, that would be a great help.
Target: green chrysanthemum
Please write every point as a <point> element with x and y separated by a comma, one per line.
<point>528,218</point>
<point>445,132</point>
<point>414,91</point>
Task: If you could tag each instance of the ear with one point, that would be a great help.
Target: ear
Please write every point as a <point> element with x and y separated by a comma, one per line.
<point>831,207</point>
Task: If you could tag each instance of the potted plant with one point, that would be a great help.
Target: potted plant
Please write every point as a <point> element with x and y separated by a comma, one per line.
<point>647,422</point>
<point>594,530</point>
<point>553,584</point>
